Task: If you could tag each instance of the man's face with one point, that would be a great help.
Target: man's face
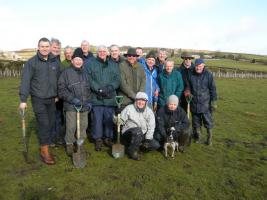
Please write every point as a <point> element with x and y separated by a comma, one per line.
<point>140,103</point>
<point>102,53</point>
<point>162,56</point>
<point>199,68</point>
<point>172,106</point>
<point>132,59</point>
<point>187,62</point>
<point>150,62</point>
<point>85,47</point>
<point>44,48</point>
<point>77,62</point>
<point>55,49</point>
<point>139,52</point>
<point>169,67</point>
<point>115,52</point>
<point>68,53</point>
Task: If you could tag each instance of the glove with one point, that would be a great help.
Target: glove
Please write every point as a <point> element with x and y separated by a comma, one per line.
<point>106,91</point>
<point>213,106</point>
<point>187,93</point>
<point>76,102</point>
<point>88,106</point>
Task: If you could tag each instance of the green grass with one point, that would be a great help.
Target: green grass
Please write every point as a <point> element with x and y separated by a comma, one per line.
<point>235,167</point>
<point>236,65</point>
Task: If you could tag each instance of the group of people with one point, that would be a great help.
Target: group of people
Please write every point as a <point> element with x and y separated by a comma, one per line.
<point>155,97</point>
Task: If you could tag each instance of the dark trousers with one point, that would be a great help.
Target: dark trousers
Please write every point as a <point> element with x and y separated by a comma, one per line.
<point>134,137</point>
<point>102,121</point>
<point>44,110</point>
<point>202,118</point>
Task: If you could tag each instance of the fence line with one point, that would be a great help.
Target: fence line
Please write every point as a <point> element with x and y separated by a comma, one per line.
<point>218,74</point>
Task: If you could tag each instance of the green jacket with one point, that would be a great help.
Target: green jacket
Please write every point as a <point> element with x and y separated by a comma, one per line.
<point>133,80</point>
<point>65,63</point>
<point>102,74</point>
<point>169,84</point>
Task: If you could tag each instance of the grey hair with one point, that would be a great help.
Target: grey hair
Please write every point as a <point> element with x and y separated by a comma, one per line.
<point>68,47</point>
<point>101,47</point>
<point>113,45</point>
<point>85,41</point>
<point>54,40</point>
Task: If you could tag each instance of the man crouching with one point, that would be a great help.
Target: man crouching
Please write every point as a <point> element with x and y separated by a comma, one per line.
<point>138,126</point>
<point>172,118</point>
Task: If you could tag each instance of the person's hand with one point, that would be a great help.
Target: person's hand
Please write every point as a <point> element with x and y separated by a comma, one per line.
<point>88,106</point>
<point>56,99</point>
<point>76,102</point>
<point>187,93</point>
<point>156,93</point>
<point>155,107</point>
<point>213,106</point>
<point>22,106</point>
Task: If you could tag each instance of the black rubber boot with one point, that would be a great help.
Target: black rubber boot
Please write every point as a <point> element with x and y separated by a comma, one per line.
<point>209,138</point>
<point>197,135</point>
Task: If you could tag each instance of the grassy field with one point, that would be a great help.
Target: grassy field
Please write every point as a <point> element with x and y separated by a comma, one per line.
<point>235,167</point>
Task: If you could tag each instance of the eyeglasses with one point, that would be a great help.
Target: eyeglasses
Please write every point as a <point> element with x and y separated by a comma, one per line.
<point>187,58</point>
<point>130,55</point>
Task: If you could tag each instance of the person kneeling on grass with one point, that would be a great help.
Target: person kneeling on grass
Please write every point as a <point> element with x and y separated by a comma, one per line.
<point>138,122</point>
<point>74,89</point>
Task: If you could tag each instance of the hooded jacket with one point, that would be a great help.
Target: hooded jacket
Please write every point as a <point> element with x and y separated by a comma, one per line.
<point>203,89</point>
<point>39,77</point>
<point>133,80</point>
<point>169,84</point>
<point>73,83</point>
<point>132,118</point>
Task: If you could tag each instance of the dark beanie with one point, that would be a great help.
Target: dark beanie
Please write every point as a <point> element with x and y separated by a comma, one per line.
<point>78,53</point>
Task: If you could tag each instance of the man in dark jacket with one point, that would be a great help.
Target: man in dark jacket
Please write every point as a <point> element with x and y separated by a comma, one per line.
<point>203,89</point>
<point>172,117</point>
<point>133,77</point>
<point>104,78</point>
<point>39,79</point>
<point>185,68</point>
<point>74,89</point>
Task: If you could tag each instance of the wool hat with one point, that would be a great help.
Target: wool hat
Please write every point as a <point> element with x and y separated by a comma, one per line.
<point>199,61</point>
<point>173,99</point>
<point>78,53</point>
<point>186,55</point>
<point>131,52</point>
<point>141,95</point>
<point>151,54</point>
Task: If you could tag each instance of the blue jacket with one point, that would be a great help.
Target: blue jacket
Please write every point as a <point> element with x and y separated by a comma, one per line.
<point>151,84</point>
<point>203,89</point>
<point>168,85</point>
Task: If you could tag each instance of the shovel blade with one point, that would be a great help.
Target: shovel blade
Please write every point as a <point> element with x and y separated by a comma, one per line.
<point>79,159</point>
<point>118,150</point>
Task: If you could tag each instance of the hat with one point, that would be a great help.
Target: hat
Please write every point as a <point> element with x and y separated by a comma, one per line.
<point>141,95</point>
<point>77,53</point>
<point>199,61</point>
<point>131,52</point>
<point>173,99</point>
<point>186,55</point>
<point>151,54</point>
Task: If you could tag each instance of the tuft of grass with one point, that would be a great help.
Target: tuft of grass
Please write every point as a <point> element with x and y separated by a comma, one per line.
<point>235,167</point>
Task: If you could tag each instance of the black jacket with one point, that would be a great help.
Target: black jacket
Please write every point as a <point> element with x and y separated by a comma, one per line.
<point>203,89</point>
<point>185,74</point>
<point>74,83</point>
<point>167,119</point>
<point>39,77</point>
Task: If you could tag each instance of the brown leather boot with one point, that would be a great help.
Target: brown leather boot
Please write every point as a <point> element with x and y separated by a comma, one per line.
<point>45,156</point>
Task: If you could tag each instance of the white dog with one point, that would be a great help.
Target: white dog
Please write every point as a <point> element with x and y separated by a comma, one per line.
<point>170,143</point>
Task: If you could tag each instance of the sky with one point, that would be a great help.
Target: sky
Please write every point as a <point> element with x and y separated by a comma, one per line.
<point>217,25</point>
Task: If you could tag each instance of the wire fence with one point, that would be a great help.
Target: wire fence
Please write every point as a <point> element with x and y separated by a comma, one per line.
<point>218,74</point>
